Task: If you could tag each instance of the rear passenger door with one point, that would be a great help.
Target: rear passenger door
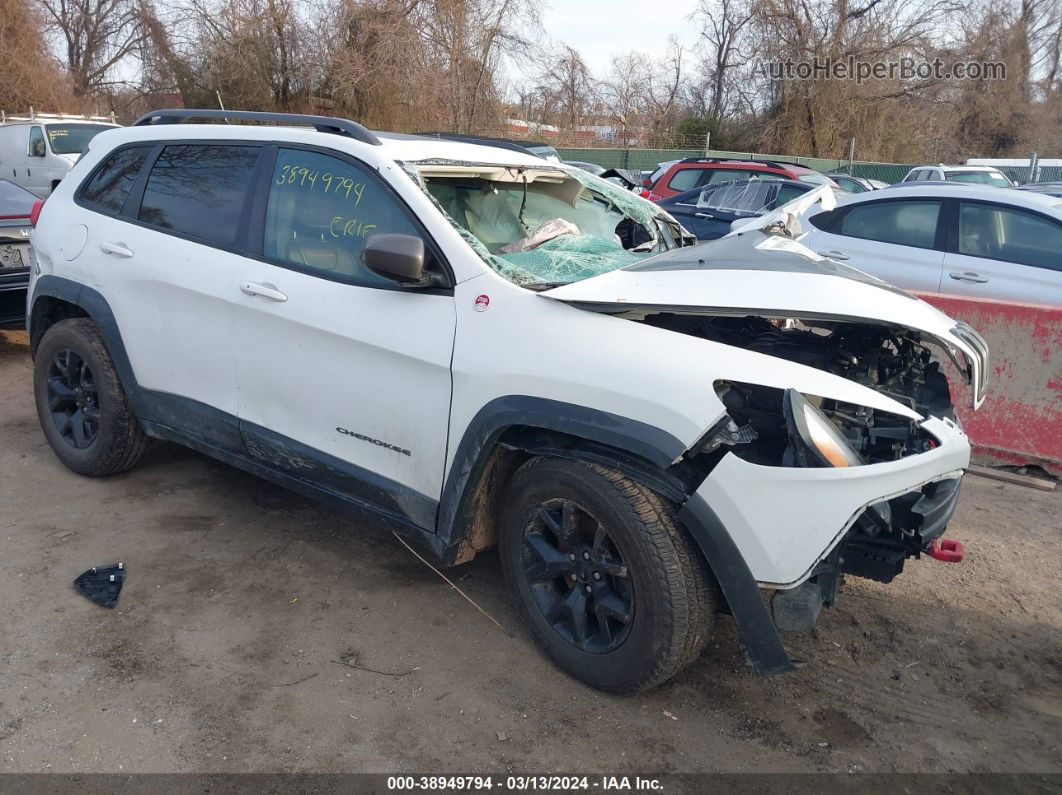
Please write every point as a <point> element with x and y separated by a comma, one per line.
<point>898,240</point>
<point>343,375</point>
<point>1004,253</point>
<point>165,256</point>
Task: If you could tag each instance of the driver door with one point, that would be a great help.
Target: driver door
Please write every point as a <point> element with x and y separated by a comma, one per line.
<point>343,376</point>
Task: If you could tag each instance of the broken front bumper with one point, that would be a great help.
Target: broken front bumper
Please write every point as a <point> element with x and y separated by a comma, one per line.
<point>785,520</point>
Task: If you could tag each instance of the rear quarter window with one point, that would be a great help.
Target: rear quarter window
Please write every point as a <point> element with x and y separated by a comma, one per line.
<point>108,187</point>
<point>825,220</point>
<point>684,179</point>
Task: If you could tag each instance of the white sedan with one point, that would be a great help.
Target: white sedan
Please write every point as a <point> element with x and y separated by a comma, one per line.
<point>993,243</point>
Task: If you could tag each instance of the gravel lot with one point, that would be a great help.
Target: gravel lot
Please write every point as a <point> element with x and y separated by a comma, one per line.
<point>258,631</point>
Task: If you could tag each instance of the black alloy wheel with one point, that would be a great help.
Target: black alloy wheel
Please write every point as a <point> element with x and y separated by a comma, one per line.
<point>73,399</point>
<point>578,579</point>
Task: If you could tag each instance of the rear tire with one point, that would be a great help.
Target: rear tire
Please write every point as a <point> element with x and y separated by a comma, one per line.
<point>605,578</point>
<point>83,409</point>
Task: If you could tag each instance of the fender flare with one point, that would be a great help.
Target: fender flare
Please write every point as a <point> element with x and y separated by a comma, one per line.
<point>493,419</point>
<point>99,311</point>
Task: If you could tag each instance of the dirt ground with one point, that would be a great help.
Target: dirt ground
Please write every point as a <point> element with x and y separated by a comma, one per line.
<point>259,631</point>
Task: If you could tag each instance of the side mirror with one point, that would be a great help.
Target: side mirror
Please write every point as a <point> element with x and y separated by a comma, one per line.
<point>397,257</point>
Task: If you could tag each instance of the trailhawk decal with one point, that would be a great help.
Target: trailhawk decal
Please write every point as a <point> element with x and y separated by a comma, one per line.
<point>376,442</point>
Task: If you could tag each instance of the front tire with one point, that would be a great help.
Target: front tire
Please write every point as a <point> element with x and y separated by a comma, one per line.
<point>605,578</point>
<point>83,409</point>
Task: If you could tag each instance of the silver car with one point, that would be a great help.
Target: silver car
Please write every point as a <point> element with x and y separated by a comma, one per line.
<point>969,240</point>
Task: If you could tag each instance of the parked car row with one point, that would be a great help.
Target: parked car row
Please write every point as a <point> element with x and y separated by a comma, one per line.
<point>685,175</point>
<point>710,211</point>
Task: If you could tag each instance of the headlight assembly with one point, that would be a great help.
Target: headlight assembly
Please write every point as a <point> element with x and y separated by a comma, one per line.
<point>816,441</point>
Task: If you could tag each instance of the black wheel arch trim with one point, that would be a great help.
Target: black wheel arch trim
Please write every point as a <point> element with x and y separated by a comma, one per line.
<point>95,305</point>
<point>656,446</point>
<point>757,633</point>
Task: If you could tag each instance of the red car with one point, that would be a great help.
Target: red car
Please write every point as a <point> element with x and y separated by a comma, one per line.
<point>699,171</point>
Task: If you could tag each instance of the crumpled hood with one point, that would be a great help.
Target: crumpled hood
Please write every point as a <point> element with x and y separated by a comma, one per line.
<point>755,273</point>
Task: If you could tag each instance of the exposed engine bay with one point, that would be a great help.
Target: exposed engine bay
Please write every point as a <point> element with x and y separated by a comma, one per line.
<point>893,362</point>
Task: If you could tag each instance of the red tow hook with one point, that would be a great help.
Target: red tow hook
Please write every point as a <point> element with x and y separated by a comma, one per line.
<point>946,551</point>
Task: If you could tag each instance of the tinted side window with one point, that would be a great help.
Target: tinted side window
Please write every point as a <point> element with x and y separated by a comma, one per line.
<point>199,190</point>
<point>1009,234</point>
<point>731,174</point>
<point>107,188</point>
<point>905,223</point>
<point>685,179</point>
<point>321,210</point>
<point>825,220</point>
<point>786,194</point>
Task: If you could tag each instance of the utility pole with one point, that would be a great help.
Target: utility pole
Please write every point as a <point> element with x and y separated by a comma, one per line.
<point>851,155</point>
<point>707,143</point>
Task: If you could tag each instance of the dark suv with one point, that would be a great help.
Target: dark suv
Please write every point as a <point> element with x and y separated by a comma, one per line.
<point>697,172</point>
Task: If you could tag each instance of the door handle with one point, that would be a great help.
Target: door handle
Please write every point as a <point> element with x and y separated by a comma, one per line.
<point>264,290</point>
<point>968,276</point>
<point>838,255</point>
<point>117,249</point>
<point>703,215</point>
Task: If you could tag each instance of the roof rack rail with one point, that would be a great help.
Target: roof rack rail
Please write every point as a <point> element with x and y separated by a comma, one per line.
<point>482,140</point>
<point>772,163</point>
<point>32,115</point>
<point>326,124</point>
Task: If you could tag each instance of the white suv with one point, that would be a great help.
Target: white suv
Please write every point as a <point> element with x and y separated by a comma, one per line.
<point>477,347</point>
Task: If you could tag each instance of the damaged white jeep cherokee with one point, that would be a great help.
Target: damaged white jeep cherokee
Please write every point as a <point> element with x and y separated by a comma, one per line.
<point>481,348</point>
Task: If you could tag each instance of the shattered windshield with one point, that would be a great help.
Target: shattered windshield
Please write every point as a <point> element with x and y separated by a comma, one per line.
<point>544,226</point>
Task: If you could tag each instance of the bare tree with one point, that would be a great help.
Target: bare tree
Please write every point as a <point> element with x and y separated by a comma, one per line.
<point>621,91</point>
<point>31,77</point>
<point>662,81</point>
<point>569,78</point>
<point>96,36</point>
<point>723,25</point>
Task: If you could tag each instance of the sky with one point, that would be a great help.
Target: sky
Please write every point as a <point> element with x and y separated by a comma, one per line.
<point>601,29</point>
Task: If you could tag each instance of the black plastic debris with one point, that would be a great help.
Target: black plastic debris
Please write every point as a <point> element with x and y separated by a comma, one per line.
<point>102,584</point>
